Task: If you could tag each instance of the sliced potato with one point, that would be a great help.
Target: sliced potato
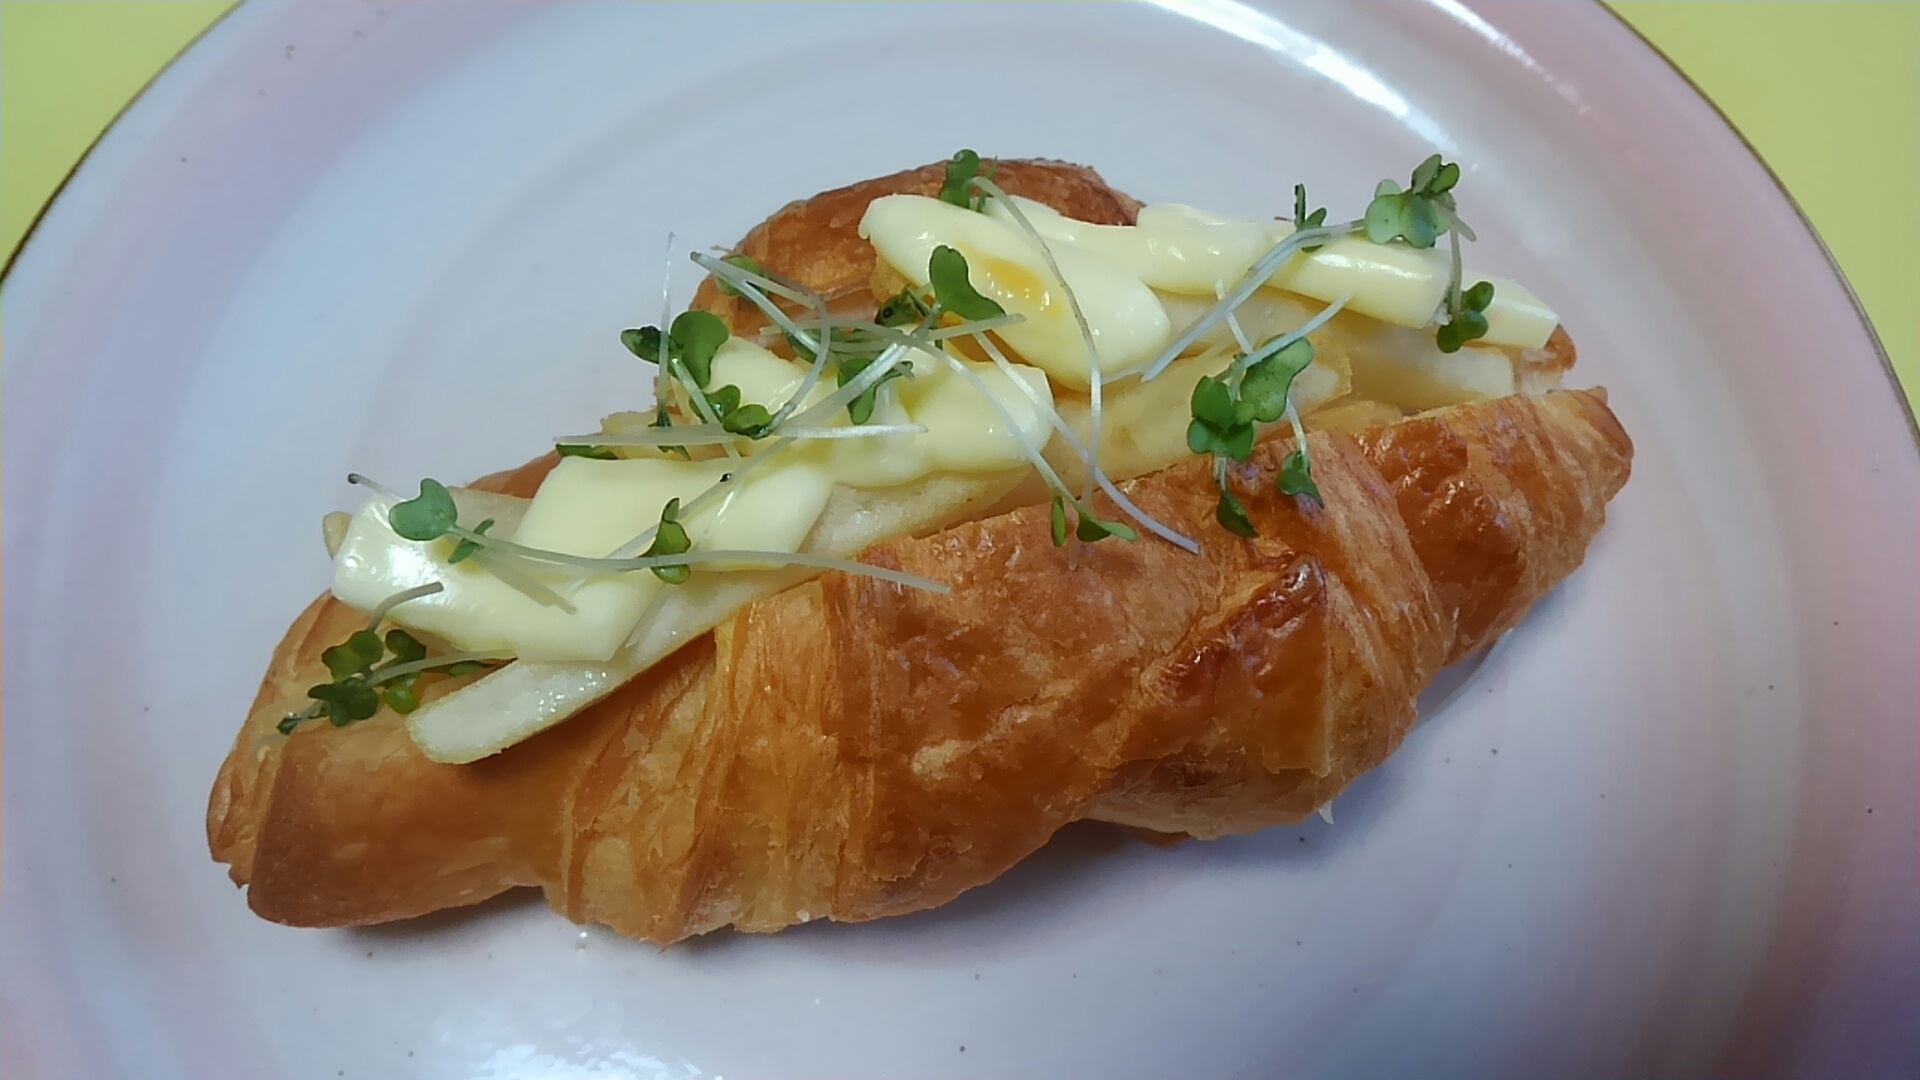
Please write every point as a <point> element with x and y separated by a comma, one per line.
<point>525,697</point>
<point>1352,415</point>
<point>1403,366</point>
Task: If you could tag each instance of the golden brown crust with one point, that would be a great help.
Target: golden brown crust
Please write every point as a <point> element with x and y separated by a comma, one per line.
<point>849,749</point>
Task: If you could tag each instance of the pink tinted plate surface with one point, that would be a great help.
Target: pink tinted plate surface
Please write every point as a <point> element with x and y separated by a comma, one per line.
<point>1667,827</point>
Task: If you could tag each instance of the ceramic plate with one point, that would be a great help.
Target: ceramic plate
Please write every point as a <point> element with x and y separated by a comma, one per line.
<point>1667,827</point>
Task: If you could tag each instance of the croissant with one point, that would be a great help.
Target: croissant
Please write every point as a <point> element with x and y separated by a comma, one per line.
<point>849,749</point>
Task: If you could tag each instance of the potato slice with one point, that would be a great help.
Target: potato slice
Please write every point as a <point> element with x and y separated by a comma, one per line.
<point>525,697</point>
<point>1353,415</point>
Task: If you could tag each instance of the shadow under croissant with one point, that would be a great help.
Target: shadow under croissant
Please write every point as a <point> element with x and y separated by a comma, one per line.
<point>1090,871</point>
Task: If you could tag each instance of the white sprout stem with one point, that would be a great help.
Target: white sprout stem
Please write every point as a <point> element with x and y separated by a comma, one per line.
<point>749,285</point>
<point>431,662</point>
<point>1453,221</point>
<point>822,350</point>
<point>394,601</point>
<point>374,485</point>
<point>1032,452</point>
<point>852,431</point>
<point>706,435</point>
<point>1274,345</point>
<point>484,556</point>
<point>868,378</point>
<point>1453,283</point>
<point>700,403</point>
<point>735,275</point>
<point>874,372</point>
<point>661,389</point>
<point>1299,434</point>
<point>942,333</point>
<point>1079,318</point>
<point>1079,450</point>
<point>1255,277</point>
<point>518,579</point>
<point>1239,335</point>
<point>753,291</point>
<point>714,491</point>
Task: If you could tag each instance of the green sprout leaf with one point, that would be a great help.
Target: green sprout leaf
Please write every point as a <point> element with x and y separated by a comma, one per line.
<point>347,700</point>
<point>749,420</point>
<point>1469,323</point>
<point>1304,220</point>
<point>860,409</point>
<point>1420,214</point>
<point>961,169</point>
<point>1269,378</point>
<point>467,547</point>
<point>598,453</point>
<point>1092,530</point>
<point>1059,520</point>
<point>694,338</point>
<point>359,687</point>
<point>1296,477</point>
<point>671,539</point>
<point>724,400</point>
<point>744,262</point>
<point>404,646</point>
<point>1232,516</point>
<point>903,308</point>
<point>1221,425</point>
<point>1212,402</point>
<point>354,656</point>
<point>427,516</point>
<point>643,342</point>
<point>947,273</point>
<point>1478,298</point>
<point>398,693</point>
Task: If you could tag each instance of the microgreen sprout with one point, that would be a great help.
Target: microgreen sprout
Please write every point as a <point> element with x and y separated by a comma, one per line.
<point>1419,214</point>
<point>860,409</point>
<point>1090,526</point>
<point>1296,475</point>
<point>1227,409</point>
<point>466,547</point>
<point>585,450</point>
<point>1467,319</point>
<point>432,514</point>
<point>1262,269</point>
<point>1095,377</point>
<point>962,168</point>
<point>427,516</point>
<point>670,538</point>
<point>1304,220</point>
<point>904,308</point>
<point>953,291</point>
<point>744,262</point>
<point>369,669</point>
<point>755,285</point>
<point>1079,450</point>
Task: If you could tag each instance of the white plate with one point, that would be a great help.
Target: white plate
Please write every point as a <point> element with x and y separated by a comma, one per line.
<point>1667,828</point>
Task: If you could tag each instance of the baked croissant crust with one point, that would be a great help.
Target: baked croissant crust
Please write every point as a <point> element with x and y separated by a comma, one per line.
<point>850,749</point>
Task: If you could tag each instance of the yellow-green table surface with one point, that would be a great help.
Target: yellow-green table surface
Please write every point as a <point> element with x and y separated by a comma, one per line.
<point>1827,90</point>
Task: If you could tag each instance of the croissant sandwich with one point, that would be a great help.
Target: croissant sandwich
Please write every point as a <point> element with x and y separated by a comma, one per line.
<point>975,500</point>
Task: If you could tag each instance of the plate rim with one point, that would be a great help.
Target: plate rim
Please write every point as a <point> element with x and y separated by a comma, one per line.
<point>1863,322</point>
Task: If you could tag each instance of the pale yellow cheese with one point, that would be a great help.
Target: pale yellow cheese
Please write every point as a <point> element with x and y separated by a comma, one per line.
<point>1185,250</point>
<point>1126,320</point>
<point>475,609</point>
<point>585,507</point>
<point>965,433</point>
